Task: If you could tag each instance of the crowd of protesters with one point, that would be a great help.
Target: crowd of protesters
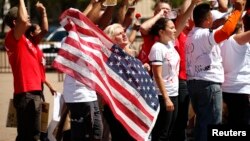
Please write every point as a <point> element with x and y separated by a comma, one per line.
<point>198,55</point>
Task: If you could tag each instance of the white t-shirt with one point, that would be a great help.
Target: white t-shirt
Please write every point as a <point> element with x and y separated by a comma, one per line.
<point>203,56</point>
<point>74,91</point>
<point>236,63</point>
<point>168,57</point>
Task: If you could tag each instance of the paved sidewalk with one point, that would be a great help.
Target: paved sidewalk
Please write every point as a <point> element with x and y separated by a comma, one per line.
<point>6,90</point>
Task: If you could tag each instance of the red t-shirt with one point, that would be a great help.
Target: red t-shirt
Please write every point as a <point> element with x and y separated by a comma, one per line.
<point>148,41</point>
<point>23,58</point>
<point>41,60</point>
<point>180,47</point>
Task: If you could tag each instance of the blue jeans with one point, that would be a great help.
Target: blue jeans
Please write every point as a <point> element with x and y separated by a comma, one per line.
<point>28,109</point>
<point>206,99</point>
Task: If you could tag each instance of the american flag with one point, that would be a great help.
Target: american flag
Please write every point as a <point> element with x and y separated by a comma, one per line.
<point>89,56</point>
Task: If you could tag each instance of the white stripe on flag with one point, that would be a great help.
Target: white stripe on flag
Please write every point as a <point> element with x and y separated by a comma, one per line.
<point>126,102</point>
<point>84,57</point>
<point>82,70</point>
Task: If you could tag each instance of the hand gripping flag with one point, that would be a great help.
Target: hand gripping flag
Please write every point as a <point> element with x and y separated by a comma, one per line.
<point>89,56</point>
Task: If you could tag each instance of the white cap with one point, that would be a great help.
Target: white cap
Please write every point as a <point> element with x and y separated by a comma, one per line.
<point>218,15</point>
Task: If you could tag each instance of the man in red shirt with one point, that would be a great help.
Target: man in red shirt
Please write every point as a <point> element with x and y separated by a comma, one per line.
<point>25,65</point>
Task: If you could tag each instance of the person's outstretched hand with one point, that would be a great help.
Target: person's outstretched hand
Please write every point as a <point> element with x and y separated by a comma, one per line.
<point>40,7</point>
<point>239,5</point>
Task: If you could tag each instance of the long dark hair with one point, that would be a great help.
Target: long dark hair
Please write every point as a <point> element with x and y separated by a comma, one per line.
<point>30,30</point>
<point>159,25</point>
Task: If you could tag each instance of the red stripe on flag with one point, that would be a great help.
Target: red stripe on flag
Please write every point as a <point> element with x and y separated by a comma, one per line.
<point>76,44</point>
<point>81,30</point>
<point>116,86</point>
<point>71,72</point>
<point>135,116</point>
<point>73,43</point>
<point>75,13</point>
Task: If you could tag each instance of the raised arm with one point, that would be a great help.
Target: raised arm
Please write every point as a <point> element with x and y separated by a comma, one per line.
<point>229,26</point>
<point>133,33</point>
<point>186,11</point>
<point>106,17</point>
<point>242,38</point>
<point>94,13</point>
<point>128,17</point>
<point>145,26</point>
<point>44,23</point>
<point>89,7</point>
<point>22,22</point>
<point>122,11</point>
<point>223,5</point>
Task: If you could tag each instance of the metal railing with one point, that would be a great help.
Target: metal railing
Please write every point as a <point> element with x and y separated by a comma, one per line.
<point>5,66</point>
<point>4,62</point>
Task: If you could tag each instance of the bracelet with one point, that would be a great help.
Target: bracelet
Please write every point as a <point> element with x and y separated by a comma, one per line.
<point>44,12</point>
<point>136,27</point>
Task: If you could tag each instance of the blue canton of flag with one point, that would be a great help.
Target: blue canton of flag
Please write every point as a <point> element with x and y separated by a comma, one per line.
<point>89,56</point>
<point>132,71</point>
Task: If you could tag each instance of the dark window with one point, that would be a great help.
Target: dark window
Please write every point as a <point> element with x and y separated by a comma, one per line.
<point>58,36</point>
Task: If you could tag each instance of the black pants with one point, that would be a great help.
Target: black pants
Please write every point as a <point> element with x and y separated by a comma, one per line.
<point>238,106</point>
<point>86,121</point>
<point>179,131</point>
<point>118,132</point>
<point>165,121</point>
<point>28,109</point>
